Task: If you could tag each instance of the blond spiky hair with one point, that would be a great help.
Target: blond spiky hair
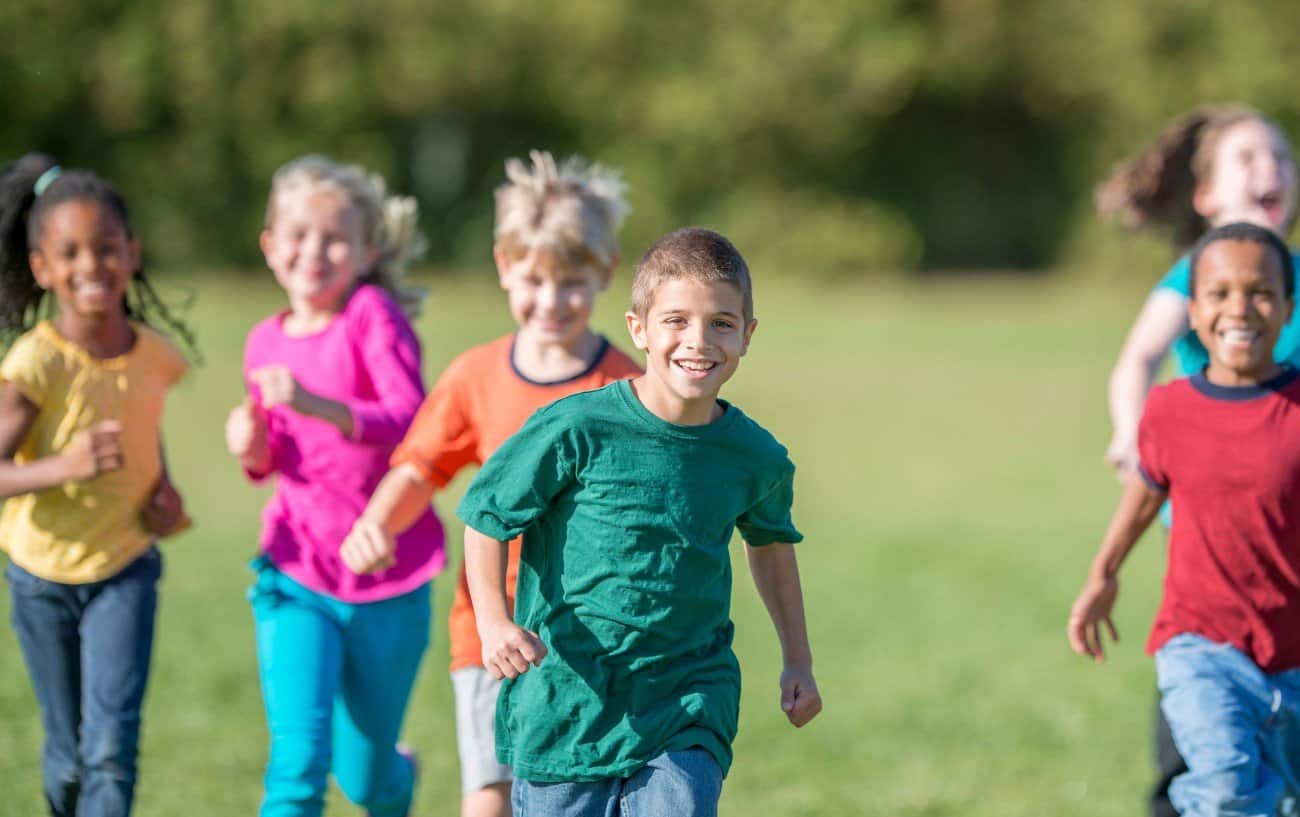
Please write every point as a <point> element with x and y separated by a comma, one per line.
<point>574,209</point>
<point>390,223</point>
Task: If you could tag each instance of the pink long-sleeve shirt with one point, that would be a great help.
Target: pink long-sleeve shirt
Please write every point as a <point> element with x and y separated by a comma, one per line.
<point>368,358</point>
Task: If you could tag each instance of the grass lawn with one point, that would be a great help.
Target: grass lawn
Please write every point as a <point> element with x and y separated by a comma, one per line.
<point>949,440</point>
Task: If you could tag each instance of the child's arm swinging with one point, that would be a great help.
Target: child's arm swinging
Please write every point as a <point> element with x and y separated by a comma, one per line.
<point>93,451</point>
<point>776,575</point>
<point>1092,608</point>
<point>1162,321</point>
<point>398,501</point>
<point>508,649</point>
<point>164,513</point>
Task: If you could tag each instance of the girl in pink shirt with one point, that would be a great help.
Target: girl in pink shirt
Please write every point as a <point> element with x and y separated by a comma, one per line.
<point>333,383</point>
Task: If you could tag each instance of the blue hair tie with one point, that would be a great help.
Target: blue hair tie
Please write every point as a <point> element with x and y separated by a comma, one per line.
<point>46,179</point>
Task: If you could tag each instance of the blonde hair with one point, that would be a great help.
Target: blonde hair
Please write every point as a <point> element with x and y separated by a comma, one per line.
<point>1154,189</point>
<point>389,223</point>
<point>696,254</point>
<point>573,209</point>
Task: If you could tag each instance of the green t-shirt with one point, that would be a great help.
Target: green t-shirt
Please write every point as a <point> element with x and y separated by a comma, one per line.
<point>625,574</point>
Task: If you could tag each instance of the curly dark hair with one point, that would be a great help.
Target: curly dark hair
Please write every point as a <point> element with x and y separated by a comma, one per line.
<point>22,215</point>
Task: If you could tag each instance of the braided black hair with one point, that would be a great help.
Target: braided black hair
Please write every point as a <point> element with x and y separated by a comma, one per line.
<point>22,215</point>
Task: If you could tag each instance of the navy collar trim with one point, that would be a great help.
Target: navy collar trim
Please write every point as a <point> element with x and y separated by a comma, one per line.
<point>591,367</point>
<point>1240,393</point>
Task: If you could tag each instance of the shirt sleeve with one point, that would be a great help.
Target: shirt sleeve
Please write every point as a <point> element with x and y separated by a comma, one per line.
<point>443,438</point>
<point>1151,463</point>
<point>1179,278</point>
<point>25,367</point>
<point>391,353</point>
<point>769,520</point>
<point>170,363</point>
<point>522,478</point>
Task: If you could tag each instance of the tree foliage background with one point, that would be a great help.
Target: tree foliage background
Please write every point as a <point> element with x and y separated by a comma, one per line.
<point>832,138</point>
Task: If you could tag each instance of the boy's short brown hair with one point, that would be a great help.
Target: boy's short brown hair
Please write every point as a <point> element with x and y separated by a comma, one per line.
<point>694,253</point>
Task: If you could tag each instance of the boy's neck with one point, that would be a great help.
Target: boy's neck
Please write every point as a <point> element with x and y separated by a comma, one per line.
<point>543,362</point>
<point>660,401</point>
<point>106,337</point>
<point>1232,378</point>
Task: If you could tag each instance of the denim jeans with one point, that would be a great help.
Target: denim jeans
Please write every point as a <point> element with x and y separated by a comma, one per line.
<point>680,784</point>
<point>336,678</point>
<point>1237,727</point>
<point>87,649</point>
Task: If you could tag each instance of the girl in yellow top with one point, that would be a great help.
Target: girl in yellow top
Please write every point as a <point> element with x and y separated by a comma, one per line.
<point>82,477</point>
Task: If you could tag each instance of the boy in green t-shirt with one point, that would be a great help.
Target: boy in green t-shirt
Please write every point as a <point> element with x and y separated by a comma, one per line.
<point>627,497</point>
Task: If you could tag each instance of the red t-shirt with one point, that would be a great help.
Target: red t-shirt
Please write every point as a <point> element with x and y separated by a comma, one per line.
<point>1230,459</point>
<point>477,403</point>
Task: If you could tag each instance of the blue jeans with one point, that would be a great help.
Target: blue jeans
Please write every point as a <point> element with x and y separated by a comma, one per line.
<point>336,678</point>
<point>681,784</point>
<point>1237,727</point>
<point>87,649</point>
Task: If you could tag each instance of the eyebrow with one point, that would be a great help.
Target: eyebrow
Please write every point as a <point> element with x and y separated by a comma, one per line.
<point>679,310</point>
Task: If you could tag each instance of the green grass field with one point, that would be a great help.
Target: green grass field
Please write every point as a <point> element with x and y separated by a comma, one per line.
<point>949,440</point>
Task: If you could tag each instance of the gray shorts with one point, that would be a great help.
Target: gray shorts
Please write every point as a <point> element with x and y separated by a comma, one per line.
<point>476,709</point>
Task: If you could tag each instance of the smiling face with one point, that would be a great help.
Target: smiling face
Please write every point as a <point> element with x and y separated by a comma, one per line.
<point>85,256</point>
<point>1238,308</point>
<point>550,300</point>
<point>694,334</point>
<point>315,245</point>
<point>1252,178</point>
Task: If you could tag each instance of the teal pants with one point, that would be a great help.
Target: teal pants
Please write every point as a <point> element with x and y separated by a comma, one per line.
<point>336,678</point>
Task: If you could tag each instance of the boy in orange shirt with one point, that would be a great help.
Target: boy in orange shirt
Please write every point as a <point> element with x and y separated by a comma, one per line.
<point>555,248</point>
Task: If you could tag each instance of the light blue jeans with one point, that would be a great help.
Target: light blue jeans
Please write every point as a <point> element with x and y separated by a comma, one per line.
<point>675,784</point>
<point>1237,727</point>
<point>336,678</point>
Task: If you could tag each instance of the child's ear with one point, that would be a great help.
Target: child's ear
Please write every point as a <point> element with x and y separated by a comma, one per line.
<point>134,249</point>
<point>36,263</point>
<point>503,264</point>
<point>1203,201</point>
<point>635,328</point>
<point>264,241</point>
<point>749,333</point>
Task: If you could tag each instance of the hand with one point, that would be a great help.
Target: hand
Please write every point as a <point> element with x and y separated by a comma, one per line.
<point>95,450</point>
<point>278,386</point>
<point>246,429</point>
<point>1122,455</point>
<point>1091,610</point>
<point>800,700</point>
<point>368,548</point>
<point>164,513</point>
<point>509,649</point>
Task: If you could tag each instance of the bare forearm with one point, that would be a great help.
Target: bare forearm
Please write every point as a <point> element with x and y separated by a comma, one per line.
<point>38,475</point>
<point>485,572</point>
<point>1137,509</point>
<point>1130,381</point>
<point>401,497</point>
<point>776,575</point>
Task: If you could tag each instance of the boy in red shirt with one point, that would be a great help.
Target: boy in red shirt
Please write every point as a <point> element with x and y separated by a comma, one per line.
<point>555,248</point>
<point>1224,444</point>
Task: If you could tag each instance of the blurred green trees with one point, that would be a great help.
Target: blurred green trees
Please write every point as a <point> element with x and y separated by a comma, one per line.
<point>829,137</point>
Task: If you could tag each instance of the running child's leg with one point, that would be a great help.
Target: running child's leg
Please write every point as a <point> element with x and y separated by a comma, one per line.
<point>385,641</point>
<point>684,784</point>
<point>300,660</point>
<point>46,616</point>
<point>1169,764</point>
<point>117,628</point>
<point>1218,703</point>
<point>485,782</point>
<point>598,798</point>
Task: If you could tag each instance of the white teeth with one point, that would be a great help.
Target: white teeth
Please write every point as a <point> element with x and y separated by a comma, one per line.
<point>1239,335</point>
<point>695,365</point>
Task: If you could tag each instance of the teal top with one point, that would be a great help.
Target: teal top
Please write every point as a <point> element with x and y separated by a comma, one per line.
<point>1190,356</point>
<point>625,574</point>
